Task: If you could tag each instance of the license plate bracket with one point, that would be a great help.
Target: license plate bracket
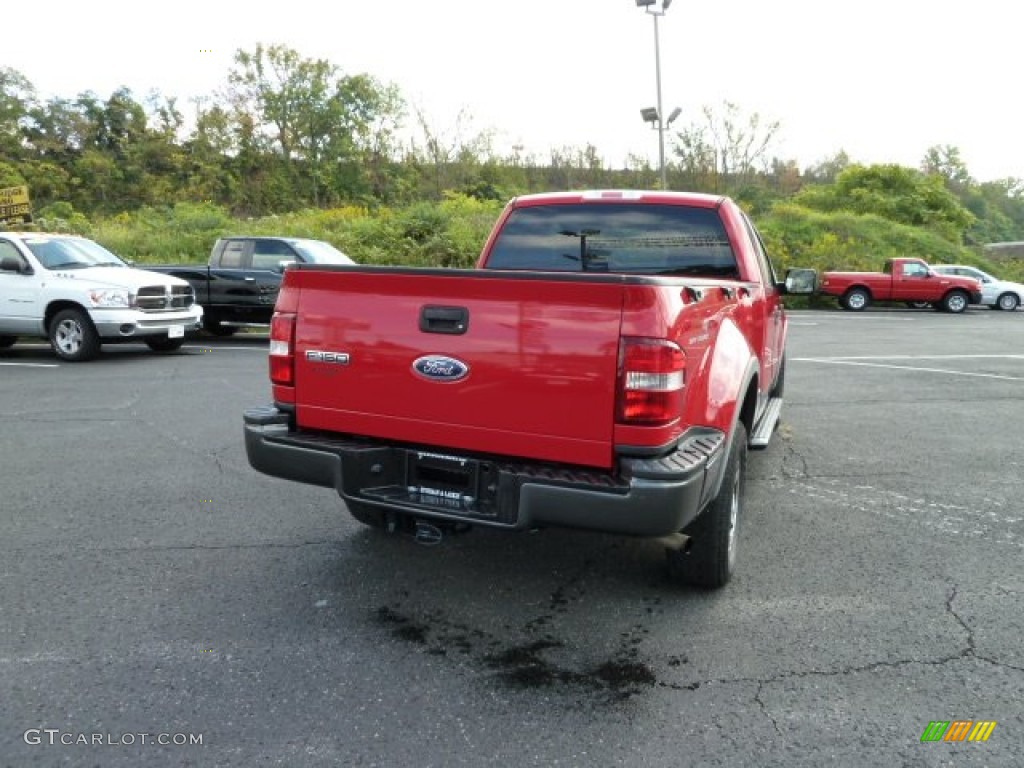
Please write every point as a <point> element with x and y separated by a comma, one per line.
<point>447,479</point>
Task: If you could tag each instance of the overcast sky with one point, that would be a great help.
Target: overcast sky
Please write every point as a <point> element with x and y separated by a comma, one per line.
<point>882,80</point>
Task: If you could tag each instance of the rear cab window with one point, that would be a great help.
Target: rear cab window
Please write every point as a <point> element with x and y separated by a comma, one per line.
<point>627,238</point>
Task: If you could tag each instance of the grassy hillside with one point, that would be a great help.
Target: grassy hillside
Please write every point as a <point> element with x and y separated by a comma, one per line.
<point>451,233</point>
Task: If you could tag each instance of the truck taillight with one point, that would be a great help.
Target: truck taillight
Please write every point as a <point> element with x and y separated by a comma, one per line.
<point>282,348</point>
<point>652,374</point>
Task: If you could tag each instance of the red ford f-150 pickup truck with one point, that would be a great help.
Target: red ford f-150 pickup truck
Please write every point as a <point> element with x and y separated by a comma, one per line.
<point>906,280</point>
<point>605,367</point>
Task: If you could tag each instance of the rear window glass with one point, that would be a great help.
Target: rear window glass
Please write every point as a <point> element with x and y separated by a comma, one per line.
<point>633,239</point>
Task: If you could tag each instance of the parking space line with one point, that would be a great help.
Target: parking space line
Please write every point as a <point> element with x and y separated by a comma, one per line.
<point>837,361</point>
<point>32,365</point>
<point>211,348</point>
<point>914,357</point>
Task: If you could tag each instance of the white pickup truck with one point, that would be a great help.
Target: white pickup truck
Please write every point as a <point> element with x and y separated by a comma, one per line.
<point>79,295</point>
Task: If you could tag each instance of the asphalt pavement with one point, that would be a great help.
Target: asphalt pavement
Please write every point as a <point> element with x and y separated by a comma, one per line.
<point>163,604</point>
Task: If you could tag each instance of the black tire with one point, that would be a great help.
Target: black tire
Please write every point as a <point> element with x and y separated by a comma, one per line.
<point>710,558</point>
<point>213,326</point>
<point>955,301</point>
<point>164,344</point>
<point>1008,302</point>
<point>7,341</point>
<point>73,336</point>
<point>856,299</point>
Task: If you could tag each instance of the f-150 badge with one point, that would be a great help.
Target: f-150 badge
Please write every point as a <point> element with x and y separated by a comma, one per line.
<point>319,356</point>
<point>440,368</point>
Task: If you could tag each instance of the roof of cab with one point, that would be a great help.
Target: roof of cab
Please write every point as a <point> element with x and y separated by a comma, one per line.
<point>664,197</point>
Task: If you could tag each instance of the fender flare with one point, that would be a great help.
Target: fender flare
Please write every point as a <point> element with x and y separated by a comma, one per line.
<point>713,478</point>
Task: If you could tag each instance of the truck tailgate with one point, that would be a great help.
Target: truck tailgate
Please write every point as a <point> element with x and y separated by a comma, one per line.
<point>539,357</point>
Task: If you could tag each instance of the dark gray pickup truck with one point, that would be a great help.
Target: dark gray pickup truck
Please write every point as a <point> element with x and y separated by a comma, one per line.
<point>239,285</point>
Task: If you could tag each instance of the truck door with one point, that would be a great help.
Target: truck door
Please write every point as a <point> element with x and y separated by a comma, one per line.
<point>771,323</point>
<point>20,307</point>
<point>231,284</point>
<point>265,268</point>
<point>912,281</point>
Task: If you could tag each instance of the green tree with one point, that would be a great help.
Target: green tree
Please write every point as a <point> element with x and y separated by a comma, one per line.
<point>317,119</point>
<point>17,96</point>
<point>894,192</point>
<point>827,171</point>
<point>727,149</point>
<point>945,162</point>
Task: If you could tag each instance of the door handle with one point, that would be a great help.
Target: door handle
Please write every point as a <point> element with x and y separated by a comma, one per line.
<point>450,320</point>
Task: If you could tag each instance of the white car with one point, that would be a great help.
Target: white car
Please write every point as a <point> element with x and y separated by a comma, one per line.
<point>995,293</point>
<point>79,295</point>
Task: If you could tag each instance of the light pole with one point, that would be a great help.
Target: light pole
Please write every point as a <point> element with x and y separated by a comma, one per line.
<point>656,114</point>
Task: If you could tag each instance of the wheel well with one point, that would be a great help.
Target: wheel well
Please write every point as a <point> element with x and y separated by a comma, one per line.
<point>749,407</point>
<point>57,306</point>
<point>857,288</point>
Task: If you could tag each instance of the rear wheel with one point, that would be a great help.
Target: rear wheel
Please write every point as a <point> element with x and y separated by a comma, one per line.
<point>955,302</point>
<point>1008,302</point>
<point>710,559</point>
<point>73,336</point>
<point>856,299</point>
<point>164,344</point>
<point>7,341</point>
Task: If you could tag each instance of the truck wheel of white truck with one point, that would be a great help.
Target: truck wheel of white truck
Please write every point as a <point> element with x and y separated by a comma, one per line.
<point>73,336</point>
<point>710,559</point>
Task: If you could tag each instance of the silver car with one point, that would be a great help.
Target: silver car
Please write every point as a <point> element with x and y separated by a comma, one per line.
<point>995,293</point>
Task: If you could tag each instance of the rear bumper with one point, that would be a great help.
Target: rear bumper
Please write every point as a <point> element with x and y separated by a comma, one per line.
<point>647,497</point>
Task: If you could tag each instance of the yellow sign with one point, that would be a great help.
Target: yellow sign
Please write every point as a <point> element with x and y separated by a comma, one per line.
<point>14,204</point>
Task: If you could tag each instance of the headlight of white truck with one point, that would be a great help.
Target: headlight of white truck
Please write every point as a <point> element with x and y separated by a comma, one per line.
<point>111,297</point>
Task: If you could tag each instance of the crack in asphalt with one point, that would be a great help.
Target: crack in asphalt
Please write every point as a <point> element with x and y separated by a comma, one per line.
<point>764,709</point>
<point>792,452</point>
<point>969,651</point>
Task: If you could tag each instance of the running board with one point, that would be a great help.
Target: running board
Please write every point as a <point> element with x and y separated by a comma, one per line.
<point>766,426</point>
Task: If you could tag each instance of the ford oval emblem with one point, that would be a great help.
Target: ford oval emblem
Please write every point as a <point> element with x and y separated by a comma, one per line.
<point>440,368</point>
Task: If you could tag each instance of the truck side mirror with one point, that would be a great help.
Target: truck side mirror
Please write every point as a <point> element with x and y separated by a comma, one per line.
<point>800,282</point>
<point>283,265</point>
<point>13,264</point>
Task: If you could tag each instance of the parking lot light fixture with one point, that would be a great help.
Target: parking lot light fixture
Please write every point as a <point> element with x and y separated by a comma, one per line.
<point>657,8</point>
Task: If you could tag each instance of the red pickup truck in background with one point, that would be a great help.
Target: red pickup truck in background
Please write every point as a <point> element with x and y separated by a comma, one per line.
<point>605,367</point>
<point>910,281</point>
